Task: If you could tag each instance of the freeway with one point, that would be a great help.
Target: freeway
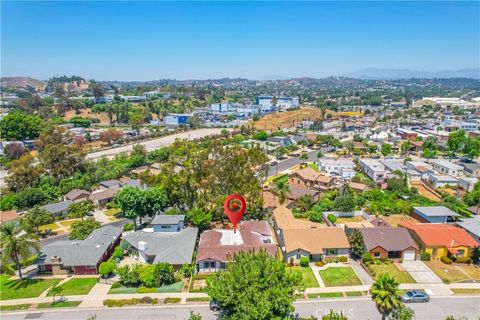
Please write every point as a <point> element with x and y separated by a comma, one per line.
<point>156,143</point>
<point>353,308</point>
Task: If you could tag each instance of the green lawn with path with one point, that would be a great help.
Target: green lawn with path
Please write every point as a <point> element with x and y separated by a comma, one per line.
<point>174,287</point>
<point>16,289</point>
<point>64,304</point>
<point>77,286</point>
<point>391,269</point>
<point>339,276</point>
<point>308,277</point>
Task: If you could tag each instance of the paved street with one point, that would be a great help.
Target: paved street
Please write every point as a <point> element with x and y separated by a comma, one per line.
<point>285,164</point>
<point>156,143</point>
<point>357,308</point>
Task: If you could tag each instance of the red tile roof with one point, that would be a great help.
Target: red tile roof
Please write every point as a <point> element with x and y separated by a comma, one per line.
<point>7,216</point>
<point>433,234</point>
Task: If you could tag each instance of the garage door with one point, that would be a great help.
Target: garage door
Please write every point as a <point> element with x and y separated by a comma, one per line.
<point>408,255</point>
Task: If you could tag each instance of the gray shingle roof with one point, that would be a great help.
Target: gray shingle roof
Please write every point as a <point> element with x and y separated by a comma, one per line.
<point>86,252</point>
<point>58,206</point>
<point>172,247</point>
<point>168,219</point>
<point>438,211</point>
<point>471,224</point>
<point>110,183</point>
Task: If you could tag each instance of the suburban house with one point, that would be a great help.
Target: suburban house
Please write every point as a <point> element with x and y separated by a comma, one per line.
<point>8,216</point>
<point>440,240</point>
<point>423,169</point>
<point>101,197</point>
<point>129,182</point>
<point>472,226</point>
<point>374,169</point>
<point>218,246</point>
<point>446,167</point>
<point>358,187</point>
<point>58,208</point>
<point>467,183</point>
<point>79,257</point>
<point>108,184</point>
<point>472,168</point>
<point>301,238</point>
<point>168,223</point>
<point>282,141</point>
<point>296,193</point>
<point>438,214</point>
<point>439,181</point>
<point>308,178</point>
<point>389,242</point>
<point>77,195</point>
<point>343,166</point>
<point>157,244</point>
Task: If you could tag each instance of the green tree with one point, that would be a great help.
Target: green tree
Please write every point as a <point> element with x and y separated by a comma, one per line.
<point>81,208</point>
<point>82,229</point>
<point>386,149</point>
<point>54,291</point>
<point>199,218</point>
<point>20,126</point>
<point>303,156</point>
<point>281,190</point>
<point>136,121</point>
<point>164,274</point>
<point>472,148</point>
<point>386,295</point>
<point>403,314</point>
<point>106,268</point>
<point>24,173</point>
<point>476,254</point>
<point>255,286</point>
<point>356,243</point>
<point>17,244</point>
<point>304,203</point>
<point>131,202</point>
<point>345,200</point>
<point>332,315</point>
<point>62,161</point>
<point>260,135</point>
<point>456,141</point>
<point>38,217</point>
<point>405,146</point>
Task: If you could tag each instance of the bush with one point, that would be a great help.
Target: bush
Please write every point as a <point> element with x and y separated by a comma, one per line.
<point>304,261</point>
<point>425,256</point>
<point>128,227</point>
<point>172,300</point>
<point>383,259</point>
<point>343,259</point>
<point>106,268</point>
<point>128,302</point>
<point>319,264</point>
<point>118,253</point>
<point>116,285</point>
<point>332,218</point>
<point>466,260</point>
<point>446,260</point>
<point>145,300</point>
<point>367,258</point>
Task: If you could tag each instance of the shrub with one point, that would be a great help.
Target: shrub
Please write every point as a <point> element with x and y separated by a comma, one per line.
<point>172,300</point>
<point>128,227</point>
<point>106,268</point>
<point>343,259</point>
<point>116,285</point>
<point>466,260</point>
<point>187,270</point>
<point>146,300</point>
<point>425,256</point>
<point>118,253</point>
<point>304,261</point>
<point>332,218</point>
<point>367,258</point>
<point>383,259</point>
<point>446,260</point>
<point>319,264</point>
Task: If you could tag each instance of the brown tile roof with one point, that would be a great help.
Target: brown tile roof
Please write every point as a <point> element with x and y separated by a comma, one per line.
<point>104,194</point>
<point>249,237</point>
<point>358,186</point>
<point>434,234</point>
<point>7,216</point>
<point>296,193</point>
<point>76,194</point>
<point>285,220</point>
<point>307,174</point>
<point>389,238</point>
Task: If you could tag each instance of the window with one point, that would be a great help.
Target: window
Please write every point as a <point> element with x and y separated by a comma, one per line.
<point>460,253</point>
<point>376,254</point>
<point>206,264</point>
<point>165,227</point>
<point>212,264</point>
<point>331,252</point>
<point>222,265</point>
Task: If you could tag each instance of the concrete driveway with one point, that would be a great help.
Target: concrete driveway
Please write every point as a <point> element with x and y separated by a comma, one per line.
<point>420,272</point>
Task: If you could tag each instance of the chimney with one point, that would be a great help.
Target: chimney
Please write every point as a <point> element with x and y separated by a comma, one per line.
<point>142,246</point>
<point>55,259</point>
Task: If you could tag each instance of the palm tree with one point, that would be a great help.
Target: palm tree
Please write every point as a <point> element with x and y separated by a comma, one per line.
<point>17,244</point>
<point>281,189</point>
<point>386,295</point>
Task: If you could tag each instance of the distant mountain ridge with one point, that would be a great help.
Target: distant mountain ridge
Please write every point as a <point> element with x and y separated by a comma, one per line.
<point>20,82</point>
<point>389,73</point>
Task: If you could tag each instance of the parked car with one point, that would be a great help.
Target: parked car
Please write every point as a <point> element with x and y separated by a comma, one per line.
<point>415,296</point>
<point>273,163</point>
<point>214,306</point>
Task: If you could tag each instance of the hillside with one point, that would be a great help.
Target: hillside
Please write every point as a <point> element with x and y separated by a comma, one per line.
<point>283,120</point>
<point>21,82</point>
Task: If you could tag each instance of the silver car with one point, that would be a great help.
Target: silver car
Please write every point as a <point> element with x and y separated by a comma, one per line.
<point>415,296</point>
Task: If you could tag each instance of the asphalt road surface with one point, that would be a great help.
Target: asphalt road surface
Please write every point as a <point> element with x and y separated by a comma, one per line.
<point>156,143</point>
<point>361,309</point>
<point>285,164</point>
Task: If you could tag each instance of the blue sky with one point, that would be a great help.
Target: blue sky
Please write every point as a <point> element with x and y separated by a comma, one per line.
<point>199,40</point>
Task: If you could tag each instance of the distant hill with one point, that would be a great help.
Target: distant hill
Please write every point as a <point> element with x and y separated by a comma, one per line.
<point>381,74</point>
<point>21,82</point>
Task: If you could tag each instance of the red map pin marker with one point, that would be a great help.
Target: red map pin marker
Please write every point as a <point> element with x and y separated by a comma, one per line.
<point>235,207</point>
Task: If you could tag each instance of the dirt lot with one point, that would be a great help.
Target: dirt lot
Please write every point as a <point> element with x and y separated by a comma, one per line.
<point>394,219</point>
<point>87,113</point>
<point>424,191</point>
<point>283,120</point>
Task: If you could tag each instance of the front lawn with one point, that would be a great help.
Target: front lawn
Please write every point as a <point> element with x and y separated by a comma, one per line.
<point>78,286</point>
<point>64,304</point>
<point>325,295</point>
<point>339,276</point>
<point>50,226</point>
<point>199,281</point>
<point>16,289</point>
<point>68,223</point>
<point>308,277</point>
<point>174,287</point>
<point>391,269</point>
<point>111,212</point>
<point>450,273</point>
<point>467,292</point>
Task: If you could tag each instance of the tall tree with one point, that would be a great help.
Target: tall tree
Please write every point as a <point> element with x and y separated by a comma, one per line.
<point>82,229</point>
<point>386,149</point>
<point>61,161</point>
<point>255,286</point>
<point>456,141</point>
<point>131,202</point>
<point>345,200</point>
<point>386,295</point>
<point>24,173</point>
<point>17,244</point>
<point>281,190</point>
<point>38,217</point>
<point>356,243</point>
<point>111,135</point>
<point>81,208</point>
<point>20,126</point>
